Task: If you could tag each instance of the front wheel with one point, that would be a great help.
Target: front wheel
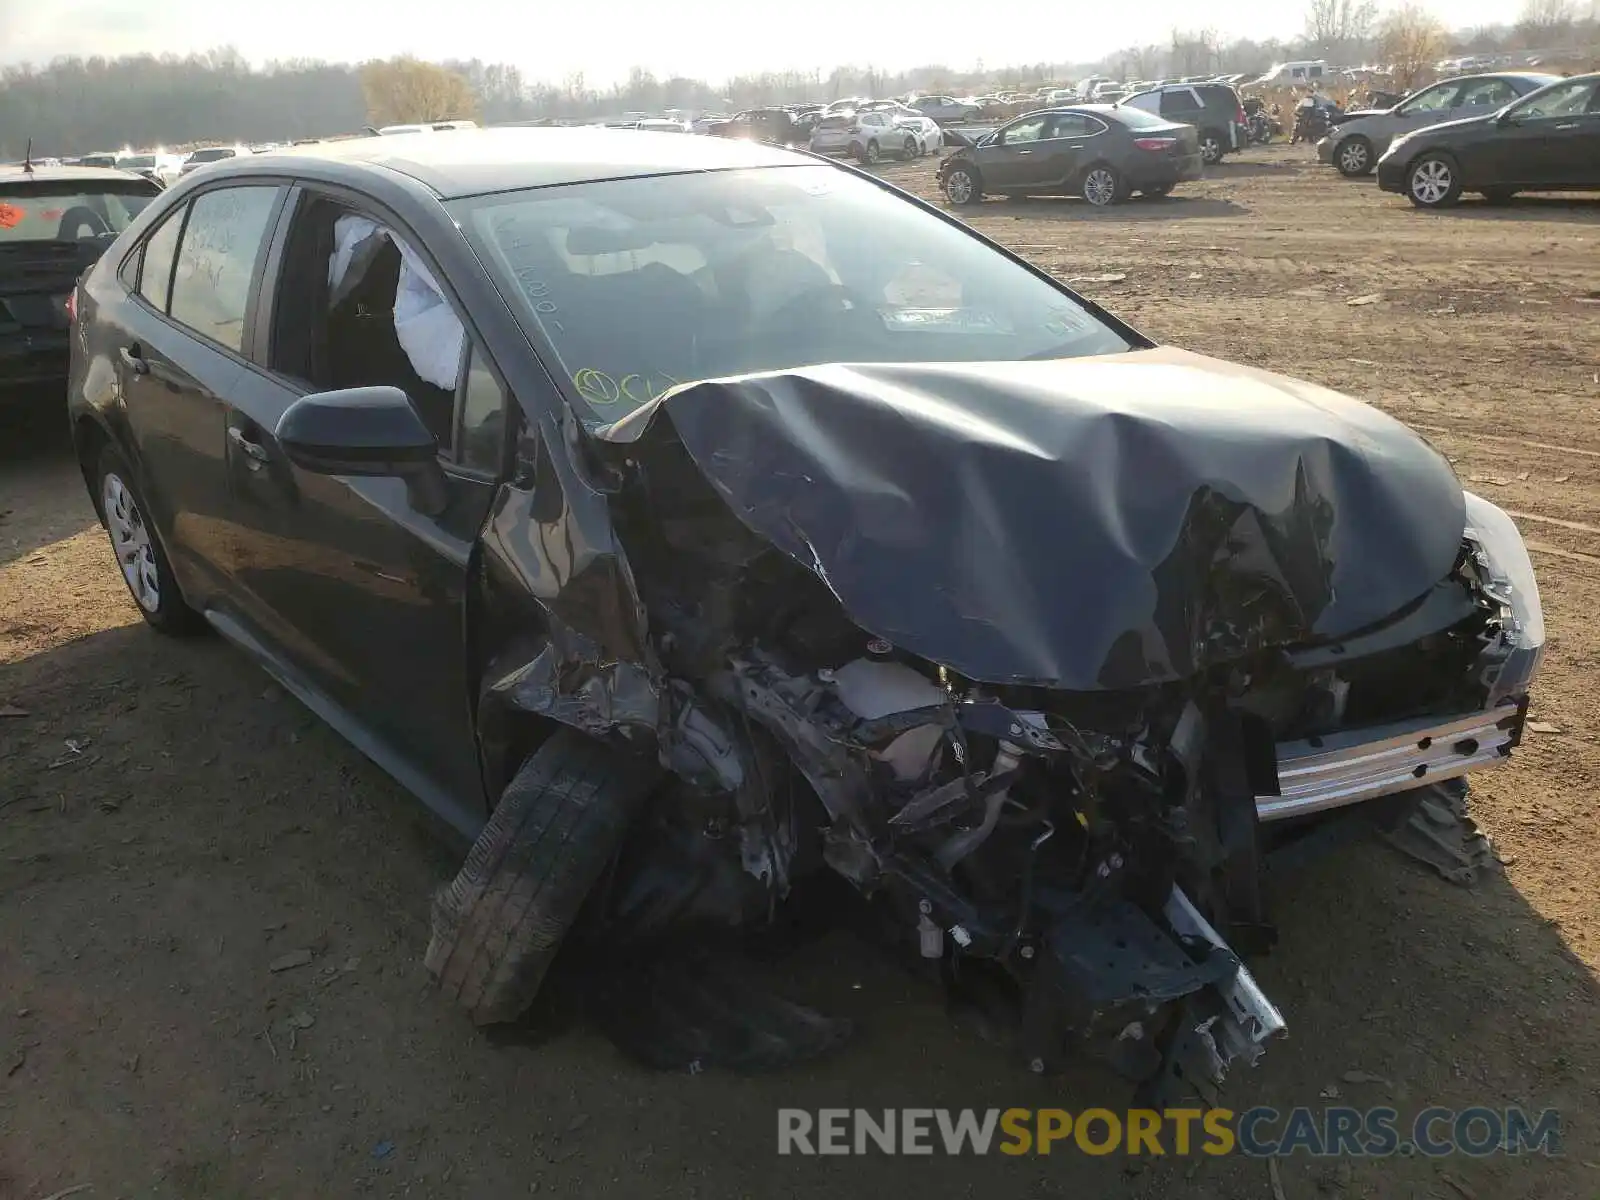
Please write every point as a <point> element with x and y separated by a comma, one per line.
<point>1102,186</point>
<point>961,186</point>
<point>140,557</point>
<point>1433,181</point>
<point>499,923</point>
<point>1354,157</point>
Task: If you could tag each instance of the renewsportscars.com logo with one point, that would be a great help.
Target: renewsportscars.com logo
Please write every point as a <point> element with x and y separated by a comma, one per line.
<point>1257,1132</point>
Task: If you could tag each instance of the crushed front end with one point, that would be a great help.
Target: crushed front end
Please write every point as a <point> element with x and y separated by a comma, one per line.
<point>1049,662</point>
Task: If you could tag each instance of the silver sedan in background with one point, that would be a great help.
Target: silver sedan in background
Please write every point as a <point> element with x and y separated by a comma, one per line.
<point>1356,144</point>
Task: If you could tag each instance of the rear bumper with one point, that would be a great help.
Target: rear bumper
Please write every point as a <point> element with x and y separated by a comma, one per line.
<point>27,361</point>
<point>1158,171</point>
<point>1362,764</point>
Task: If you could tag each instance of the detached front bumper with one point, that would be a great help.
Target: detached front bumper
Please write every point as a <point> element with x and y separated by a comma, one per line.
<point>1362,764</point>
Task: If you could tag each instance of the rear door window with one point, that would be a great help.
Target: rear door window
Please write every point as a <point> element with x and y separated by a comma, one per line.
<point>160,248</point>
<point>216,262</point>
<point>1175,102</point>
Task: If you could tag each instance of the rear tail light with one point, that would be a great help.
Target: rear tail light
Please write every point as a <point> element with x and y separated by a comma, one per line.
<point>72,305</point>
<point>1241,118</point>
<point>1155,143</point>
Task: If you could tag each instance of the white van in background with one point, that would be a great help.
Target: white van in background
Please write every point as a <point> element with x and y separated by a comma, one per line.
<point>1293,74</point>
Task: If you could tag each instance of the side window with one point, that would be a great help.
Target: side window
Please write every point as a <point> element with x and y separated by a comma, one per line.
<point>1030,130</point>
<point>1435,99</point>
<point>155,275</point>
<point>216,262</point>
<point>1176,102</point>
<point>1492,92</point>
<point>1073,125</point>
<point>481,428</point>
<point>358,307</point>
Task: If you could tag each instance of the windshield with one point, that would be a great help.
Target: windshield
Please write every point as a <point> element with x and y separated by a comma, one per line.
<point>137,162</point>
<point>68,212</point>
<point>641,284</point>
<point>204,156</point>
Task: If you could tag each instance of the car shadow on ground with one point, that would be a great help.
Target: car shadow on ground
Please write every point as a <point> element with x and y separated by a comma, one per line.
<point>1235,168</point>
<point>1175,207</point>
<point>1574,210</point>
<point>212,831</point>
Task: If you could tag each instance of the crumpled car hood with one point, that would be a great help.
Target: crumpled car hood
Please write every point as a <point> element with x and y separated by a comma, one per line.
<point>1093,523</point>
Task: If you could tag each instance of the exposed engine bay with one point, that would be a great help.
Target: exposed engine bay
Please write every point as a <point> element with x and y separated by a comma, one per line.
<point>1078,814</point>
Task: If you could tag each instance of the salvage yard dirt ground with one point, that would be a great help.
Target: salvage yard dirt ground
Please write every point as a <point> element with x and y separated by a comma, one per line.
<point>213,911</point>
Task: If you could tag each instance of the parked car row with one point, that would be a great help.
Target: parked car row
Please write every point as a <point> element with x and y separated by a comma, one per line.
<point>1496,135</point>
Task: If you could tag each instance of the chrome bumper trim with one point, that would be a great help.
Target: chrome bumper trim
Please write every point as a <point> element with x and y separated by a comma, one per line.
<point>1362,764</point>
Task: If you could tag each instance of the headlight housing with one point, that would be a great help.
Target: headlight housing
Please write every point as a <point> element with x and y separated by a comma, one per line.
<point>1507,577</point>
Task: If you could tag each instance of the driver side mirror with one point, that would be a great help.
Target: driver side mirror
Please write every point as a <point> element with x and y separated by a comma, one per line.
<point>1506,118</point>
<point>365,431</point>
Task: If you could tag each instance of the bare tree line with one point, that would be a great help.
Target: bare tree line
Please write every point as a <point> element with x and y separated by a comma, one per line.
<point>79,105</point>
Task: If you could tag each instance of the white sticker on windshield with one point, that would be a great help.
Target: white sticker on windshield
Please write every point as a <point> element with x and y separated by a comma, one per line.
<point>944,320</point>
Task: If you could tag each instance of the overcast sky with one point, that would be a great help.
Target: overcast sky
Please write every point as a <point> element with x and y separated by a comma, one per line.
<point>709,39</point>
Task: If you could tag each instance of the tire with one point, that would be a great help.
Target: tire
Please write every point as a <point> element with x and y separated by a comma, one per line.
<point>1212,147</point>
<point>1499,196</point>
<point>141,559</point>
<point>911,149</point>
<point>498,924</point>
<point>1101,185</point>
<point>1159,192</point>
<point>1433,180</point>
<point>1353,157</point>
<point>874,152</point>
<point>962,186</point>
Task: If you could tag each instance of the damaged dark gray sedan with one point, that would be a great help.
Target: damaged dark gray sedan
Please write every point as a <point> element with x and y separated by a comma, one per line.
<point>695,526</point>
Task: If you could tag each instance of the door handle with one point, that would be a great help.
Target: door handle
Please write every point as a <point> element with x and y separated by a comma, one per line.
<point>252,450</point>
<point>1568,125</point>
<point>133,358</point>
<point>1024,151</point>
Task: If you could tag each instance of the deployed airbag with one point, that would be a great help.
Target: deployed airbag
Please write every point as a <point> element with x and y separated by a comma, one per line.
<point>1091,523</point>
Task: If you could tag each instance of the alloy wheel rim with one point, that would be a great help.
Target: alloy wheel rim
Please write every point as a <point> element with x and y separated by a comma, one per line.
<point>959,187</point>
<point>872,152</point>
<point>1431,181</point>
<point>1353,157</point>
<point>1099,187</point>
<point>1210,150</point>
<point>130,541</point>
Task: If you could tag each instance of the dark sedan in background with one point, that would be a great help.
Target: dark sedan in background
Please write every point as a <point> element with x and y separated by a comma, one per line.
<point>1549,141</point>
<point>54,222</point>
<point>1097,151</point>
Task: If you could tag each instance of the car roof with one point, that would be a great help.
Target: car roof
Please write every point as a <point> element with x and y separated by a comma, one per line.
<point>474,161</point>
<point>70,175</point>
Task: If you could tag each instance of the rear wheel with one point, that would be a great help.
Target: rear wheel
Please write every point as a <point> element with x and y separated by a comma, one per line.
<point>874,152</point>
<point>909,150</point>
<point>1354,157</point>
<point>498,925</point>
<point>1212,147</point>
<point>140,558</point>
<point>1102,186</point>
<point>1433,181</point>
